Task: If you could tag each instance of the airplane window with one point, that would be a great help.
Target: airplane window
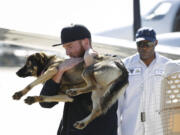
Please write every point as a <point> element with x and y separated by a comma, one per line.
<point>160,11</point>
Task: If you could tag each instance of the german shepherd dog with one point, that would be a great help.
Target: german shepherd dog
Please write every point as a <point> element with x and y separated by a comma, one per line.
<point>106,79</point>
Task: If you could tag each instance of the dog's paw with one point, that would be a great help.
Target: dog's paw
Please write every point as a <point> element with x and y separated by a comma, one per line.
<point>30,100</point>
<point>71,93</point>
<point>17,95</point>
<point>79,125</point>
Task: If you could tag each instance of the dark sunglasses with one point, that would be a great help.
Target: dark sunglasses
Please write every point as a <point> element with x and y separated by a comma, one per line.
<point>142,44</point>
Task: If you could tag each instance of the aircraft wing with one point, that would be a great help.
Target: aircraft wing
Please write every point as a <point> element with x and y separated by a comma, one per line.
<point>122,48</point>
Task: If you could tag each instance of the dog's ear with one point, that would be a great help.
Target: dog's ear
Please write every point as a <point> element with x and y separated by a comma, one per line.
<point>37,56</point>
<point>41,57</point>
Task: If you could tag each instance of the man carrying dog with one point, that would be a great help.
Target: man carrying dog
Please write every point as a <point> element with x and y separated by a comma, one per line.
<point>76,40</point>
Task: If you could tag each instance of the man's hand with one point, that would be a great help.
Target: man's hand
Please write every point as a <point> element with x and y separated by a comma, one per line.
<point>66,65</point>
<point>89,57</point>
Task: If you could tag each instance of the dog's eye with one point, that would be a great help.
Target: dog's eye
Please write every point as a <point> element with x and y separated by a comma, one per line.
<point>28,64</point>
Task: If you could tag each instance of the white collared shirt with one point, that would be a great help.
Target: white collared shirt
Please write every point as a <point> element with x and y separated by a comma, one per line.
<point>138,110</point>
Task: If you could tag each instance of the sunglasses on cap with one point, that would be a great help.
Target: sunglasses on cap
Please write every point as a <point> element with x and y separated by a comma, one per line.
<point>142,44</point>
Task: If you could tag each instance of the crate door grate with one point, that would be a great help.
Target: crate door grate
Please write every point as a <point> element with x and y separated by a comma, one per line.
<point>170,104</point>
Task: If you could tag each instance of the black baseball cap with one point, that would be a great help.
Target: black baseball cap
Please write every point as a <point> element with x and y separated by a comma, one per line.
<point>145,33</point>
<point>73,33</point>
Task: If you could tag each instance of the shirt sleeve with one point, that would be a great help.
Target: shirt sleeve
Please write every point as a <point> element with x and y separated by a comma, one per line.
<point>119,112</point>
<point>50,88</point>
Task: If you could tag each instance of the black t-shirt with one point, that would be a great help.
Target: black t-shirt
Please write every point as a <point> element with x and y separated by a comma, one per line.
<point>77,110</point>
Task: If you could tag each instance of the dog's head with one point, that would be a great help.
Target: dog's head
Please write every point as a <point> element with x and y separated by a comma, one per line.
<point>34,65</point>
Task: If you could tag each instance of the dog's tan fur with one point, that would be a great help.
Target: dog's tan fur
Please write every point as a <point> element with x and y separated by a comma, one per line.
<point>101,79</point>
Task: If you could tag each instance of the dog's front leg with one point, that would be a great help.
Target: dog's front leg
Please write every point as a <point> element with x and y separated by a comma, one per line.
<point>43,78</point>
<point>57,98</point>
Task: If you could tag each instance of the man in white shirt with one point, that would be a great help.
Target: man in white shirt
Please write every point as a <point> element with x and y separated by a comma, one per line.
<point>139,109</point>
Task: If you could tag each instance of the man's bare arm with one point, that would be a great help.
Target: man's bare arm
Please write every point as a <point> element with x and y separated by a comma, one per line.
<point>66,65</point>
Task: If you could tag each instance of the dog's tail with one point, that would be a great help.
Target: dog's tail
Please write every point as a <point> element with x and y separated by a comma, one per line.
<point>117,89</point>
